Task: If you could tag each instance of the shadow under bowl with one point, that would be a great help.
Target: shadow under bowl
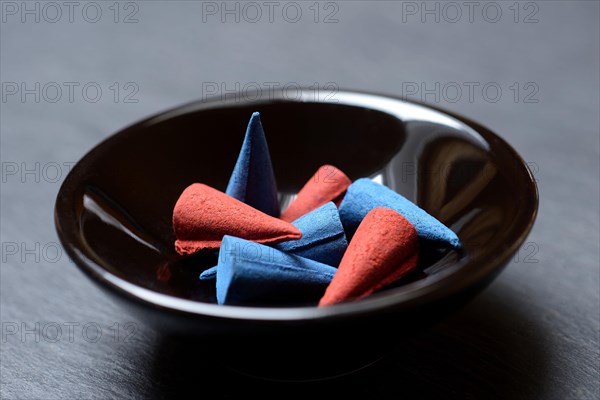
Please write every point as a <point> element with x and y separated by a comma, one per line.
<point>113,216</point>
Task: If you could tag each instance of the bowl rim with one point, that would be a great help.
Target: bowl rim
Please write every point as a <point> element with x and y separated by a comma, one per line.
<point>459,280</point>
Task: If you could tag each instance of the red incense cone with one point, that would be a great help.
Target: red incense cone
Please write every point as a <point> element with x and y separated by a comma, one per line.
<point>203,215</point>
<point>327,184</point>
<point>383,249</point>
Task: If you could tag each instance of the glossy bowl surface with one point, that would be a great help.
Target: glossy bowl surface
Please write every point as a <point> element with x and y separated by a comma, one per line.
<point>113,211</point>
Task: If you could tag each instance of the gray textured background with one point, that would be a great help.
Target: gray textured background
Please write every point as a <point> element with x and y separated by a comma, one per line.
<point>532,334</point>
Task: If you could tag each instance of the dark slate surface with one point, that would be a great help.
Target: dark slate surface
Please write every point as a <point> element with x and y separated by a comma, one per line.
<point>532,334</point>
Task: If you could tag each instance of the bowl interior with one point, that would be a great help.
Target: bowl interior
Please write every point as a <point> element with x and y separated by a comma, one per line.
<point>114,210</point>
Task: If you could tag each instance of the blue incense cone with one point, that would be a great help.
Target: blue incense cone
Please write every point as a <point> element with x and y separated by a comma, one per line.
<point>253,180</point>
<point>363,195</point>
<point>323,239</point>
<point>209,274</point>
<point>251,273</point>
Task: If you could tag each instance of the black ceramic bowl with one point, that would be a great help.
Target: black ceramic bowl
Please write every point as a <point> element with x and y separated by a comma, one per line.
<point>113,216</point>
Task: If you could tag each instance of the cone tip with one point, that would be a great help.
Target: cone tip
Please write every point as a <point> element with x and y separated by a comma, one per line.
<point>255,118</point>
